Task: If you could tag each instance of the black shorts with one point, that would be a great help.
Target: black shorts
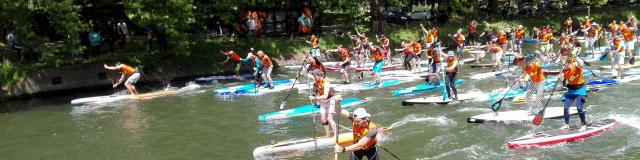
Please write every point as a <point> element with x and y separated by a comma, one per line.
<point>345,65</point>
<point>371,153</point>
<point>472,37</point>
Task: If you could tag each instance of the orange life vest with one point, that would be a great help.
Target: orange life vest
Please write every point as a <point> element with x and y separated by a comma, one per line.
<point>592,31</point>
<point>547,37</point>
<point>460,39</point>
<point>616,44</point>
<point>502,38</point>
<point>318,66</point>
<point>127,70</point>
<point>314,42</point>
<point>344,54</point>
<point>568,22</point>
<point>535,72</point>
<point>586,23</point>
<point>573,75</point>
<point>450,62</point>
<point>429,38</point>
<point>495,49</point>
<point>320,85</point>
<point>471,29</point>
<point>627,34</point>
<point>360,132</point>
<point>377,56</point>
<point>436,57</point>
<point>519,33</point>
<point>265,61</point>
<point>416,47</point>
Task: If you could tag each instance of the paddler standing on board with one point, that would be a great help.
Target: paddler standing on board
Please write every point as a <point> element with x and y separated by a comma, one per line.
<point>231,55</point>
<point>345,62</point>
<point>534,84</point>
<point>364,136</point>
<point>496,55</point>
<point>129,71</point>
<point>617,58</point>
<point>267,67</point>
<point>435,57</point>
<point>577,90</point>
<point>329,103</point>
<point>379,63</point>
<point>450,75</point>
<point>519,33</point>
<point>459,39</point>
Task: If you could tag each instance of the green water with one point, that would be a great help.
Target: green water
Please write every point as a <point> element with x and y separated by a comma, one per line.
<point>200,125</point>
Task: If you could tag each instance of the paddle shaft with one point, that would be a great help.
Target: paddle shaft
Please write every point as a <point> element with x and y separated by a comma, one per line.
<point>387,150</point>
<point>335,155</point>
<point>313,115</point>
<point>538,119</point>
<point>499,102</point>
<point>294,84</point>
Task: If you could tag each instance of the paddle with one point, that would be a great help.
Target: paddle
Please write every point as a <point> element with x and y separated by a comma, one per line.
<point>335,155</point>
<point>496,106</point>
<point>538,119</point>
<point>313,115</point>
<point>588,65</point>
<point>633,58</point>
<point>386,150</point>
<point>444,89</point>
<point>284,101</point>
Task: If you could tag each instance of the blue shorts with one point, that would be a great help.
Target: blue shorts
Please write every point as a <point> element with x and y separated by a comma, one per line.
<point>133,78</point>
<point>377,67</point>
<point>315,52</point>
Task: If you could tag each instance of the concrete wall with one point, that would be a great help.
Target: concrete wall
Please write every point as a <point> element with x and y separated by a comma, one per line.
<point>61,78</point>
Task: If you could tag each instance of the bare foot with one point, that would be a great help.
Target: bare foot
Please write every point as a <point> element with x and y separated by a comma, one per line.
<point>583,128</point>
<point>566,126</point>
<point>327,136</point>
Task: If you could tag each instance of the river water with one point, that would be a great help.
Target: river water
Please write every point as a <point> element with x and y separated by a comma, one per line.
<point>197,124</point>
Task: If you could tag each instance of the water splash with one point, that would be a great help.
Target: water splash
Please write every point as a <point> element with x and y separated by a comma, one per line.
<point>629,120</point>
<point>440,120</point>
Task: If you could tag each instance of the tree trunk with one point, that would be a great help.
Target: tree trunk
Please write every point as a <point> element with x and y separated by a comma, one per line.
<point>493,7</point>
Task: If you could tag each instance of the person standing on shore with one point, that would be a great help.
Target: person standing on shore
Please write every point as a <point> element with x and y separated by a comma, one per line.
<point>126,71</point>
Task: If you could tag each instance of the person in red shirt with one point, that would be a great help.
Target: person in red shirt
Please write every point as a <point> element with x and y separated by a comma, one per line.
<point>231,55</point>
<point>472,33</point>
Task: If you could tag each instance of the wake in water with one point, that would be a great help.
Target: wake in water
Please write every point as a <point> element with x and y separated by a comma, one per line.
<point>440,120</point>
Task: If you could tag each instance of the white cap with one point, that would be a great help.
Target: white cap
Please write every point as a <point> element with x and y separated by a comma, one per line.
<point>594,24</point>
<point>519,26</point>
<point>360,113</point>
<point>586,16</point>
<point>450,53</point>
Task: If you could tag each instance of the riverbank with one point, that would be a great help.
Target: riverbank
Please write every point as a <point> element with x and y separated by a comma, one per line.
<point>202,57</point>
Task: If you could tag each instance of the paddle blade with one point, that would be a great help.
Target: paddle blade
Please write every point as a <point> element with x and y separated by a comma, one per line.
<point>632,60</point>
<point>603,57</point>
<point>282,105</point>
<point>496,106</point>
<point>538,119</point>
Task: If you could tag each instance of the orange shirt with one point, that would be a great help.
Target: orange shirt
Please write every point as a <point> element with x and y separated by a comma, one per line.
<point>495,49</point>
<point>535,72</point>
<point>586,22</point>
<point>429,38</point>
<point>318,66</point>
<point>592,32</point>
<point>502,38</point>
<point>128,70</point>
<point>613,28</point>
<point>361,132</point>
<point>519,33</point>
<point>573,75</point>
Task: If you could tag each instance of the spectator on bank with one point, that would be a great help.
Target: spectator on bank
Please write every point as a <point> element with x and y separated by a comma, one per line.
<point>12,40</point>
<point>123,33</point>
<point>94,42</point>
<point>148,32</point>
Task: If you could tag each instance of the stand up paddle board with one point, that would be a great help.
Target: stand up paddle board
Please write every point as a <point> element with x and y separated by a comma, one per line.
<point>112,98</point>
<point>421,88</point>
<point>518,115</point>
<point>368,85</point>
<point>210,79</point>
<point>347,103</point>
<point>307,144</point>
<point>437,100</point>
<point>556,136</point>
<point>250,89</point>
